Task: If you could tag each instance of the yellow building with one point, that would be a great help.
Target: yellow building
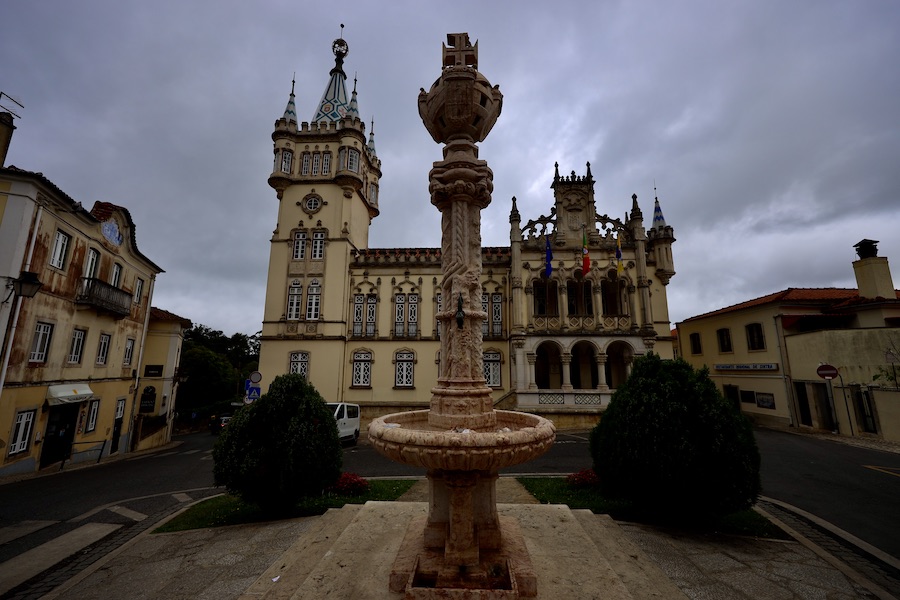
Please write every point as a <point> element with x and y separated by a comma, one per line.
<point>569,303</point>
<point>70,354</point>
<point>765,354</point>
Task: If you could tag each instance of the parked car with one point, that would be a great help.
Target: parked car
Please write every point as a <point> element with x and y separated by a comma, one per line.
<point>347,417</point>
<point>217,424</point>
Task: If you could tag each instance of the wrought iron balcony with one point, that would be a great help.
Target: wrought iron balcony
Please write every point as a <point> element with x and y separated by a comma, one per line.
<point>103,296</point>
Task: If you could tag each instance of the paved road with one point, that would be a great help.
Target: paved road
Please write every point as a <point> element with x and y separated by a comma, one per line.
<point>857,489</point>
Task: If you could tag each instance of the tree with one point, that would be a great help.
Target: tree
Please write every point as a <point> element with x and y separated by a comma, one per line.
<point>210,380</point>
<point>673,446</point>
<point>281,448</point>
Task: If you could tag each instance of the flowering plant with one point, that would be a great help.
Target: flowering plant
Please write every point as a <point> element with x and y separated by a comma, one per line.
<point>585,478</point>
<point>349,484</point>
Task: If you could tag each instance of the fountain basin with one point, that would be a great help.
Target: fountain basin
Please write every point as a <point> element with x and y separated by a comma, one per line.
<point>408,438</point>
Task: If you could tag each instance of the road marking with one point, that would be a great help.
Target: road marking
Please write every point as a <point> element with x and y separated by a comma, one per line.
<point>23,567</point>
<point>895,471</point>
<point>182,497</point>
<point>128,513</point>
<point>165,454</point>
<point>191,451</point>
<point>17,530</point>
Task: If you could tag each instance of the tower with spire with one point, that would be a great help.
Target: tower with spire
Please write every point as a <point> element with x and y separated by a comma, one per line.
<point>326,177</point>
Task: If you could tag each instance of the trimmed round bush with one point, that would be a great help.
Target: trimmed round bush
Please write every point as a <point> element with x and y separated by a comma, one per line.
<point>670,444</point>
<point>280,449</point>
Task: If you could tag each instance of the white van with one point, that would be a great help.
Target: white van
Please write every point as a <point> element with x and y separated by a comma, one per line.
<point>347,417</point>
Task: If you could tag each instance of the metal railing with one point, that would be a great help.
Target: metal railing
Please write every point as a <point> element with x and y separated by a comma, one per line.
<point>104,296</point>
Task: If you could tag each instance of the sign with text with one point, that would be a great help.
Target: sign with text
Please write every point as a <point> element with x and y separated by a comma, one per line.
<point>747,367</point>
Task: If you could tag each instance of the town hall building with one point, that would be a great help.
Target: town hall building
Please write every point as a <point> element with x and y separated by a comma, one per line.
<point>570,302</point>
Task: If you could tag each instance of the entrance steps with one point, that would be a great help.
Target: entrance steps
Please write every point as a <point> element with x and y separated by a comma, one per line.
<point>349,552</point>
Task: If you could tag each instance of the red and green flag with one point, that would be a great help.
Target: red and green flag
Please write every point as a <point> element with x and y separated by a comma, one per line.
<point>585,257</point>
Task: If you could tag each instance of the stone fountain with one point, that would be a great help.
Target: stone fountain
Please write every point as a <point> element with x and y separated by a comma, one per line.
<point>462,548</point>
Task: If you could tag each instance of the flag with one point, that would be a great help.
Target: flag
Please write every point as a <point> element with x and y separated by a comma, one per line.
<point>549,267</point>
<point>619,266</point>
<point>585,257</point>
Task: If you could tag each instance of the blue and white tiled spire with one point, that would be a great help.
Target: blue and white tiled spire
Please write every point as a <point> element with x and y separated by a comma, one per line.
<point>290,111</point>
<point>335,105</point>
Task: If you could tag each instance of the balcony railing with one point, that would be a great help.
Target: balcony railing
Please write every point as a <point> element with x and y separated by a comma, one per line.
<point>104,296</point>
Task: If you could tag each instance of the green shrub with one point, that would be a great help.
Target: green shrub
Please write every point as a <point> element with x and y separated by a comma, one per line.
<point>673,446</point>
<point>280,449</point>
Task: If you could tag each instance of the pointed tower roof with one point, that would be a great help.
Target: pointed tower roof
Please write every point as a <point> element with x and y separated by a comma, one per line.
<point>353,110</point>
<point>371,144</point>
<point>334,104</point>
<point>290,111</point>
<point>659,221</point>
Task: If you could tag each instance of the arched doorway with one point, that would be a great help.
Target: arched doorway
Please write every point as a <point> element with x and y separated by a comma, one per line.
<point>583,368</point>
<point>612,289</point>
<point>548,366</point>
<point>618,356</point>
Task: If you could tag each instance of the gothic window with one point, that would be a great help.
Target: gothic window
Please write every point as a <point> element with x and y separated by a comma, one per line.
<point>305,167</point>
<point>406,315</point>
<point>373,194</point>
<point>364,315</point>
<point>295,300</point>
<point>611,290</point>
<point>437,300</point>
<point>287,161</point>
<point>546,298</point>
<point>492,305</point>
<point>342,159</point>
<point>299,364</point>
<point>316,163</point>
<point>755,338</point>
<point>300,245</point>
<point>353,160</point>
<point>318,245</point>
<point>492,369</point>
<point>362,369</point>
<point>724,337</point>
<point>580,298</point>
<point>313,300</point>
<point>326,163</point>
<point>399,314</point>
<point>404,361</point>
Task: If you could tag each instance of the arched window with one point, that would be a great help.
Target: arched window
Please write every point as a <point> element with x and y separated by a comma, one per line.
<point>404,365</point>
<point>362,368</point>
<point>546,298</point>
<point>299,363</point>
<point>611,290</point>
<point>287,161</point>
<point>313,300</point>
<point>294,300</point>
<point>580,298</point>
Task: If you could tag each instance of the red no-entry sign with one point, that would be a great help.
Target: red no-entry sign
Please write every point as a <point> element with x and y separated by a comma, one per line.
<point>827,372</point>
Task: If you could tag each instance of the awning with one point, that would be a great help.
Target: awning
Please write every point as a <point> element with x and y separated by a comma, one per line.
<point>68,393</point>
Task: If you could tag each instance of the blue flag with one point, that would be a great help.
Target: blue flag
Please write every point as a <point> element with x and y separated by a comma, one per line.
<point>549,268</point>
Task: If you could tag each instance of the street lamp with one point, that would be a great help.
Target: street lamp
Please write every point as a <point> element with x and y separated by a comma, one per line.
<point>26,286</point>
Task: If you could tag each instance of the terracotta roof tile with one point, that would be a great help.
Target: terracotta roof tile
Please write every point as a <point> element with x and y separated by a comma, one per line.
<point>158,314</point>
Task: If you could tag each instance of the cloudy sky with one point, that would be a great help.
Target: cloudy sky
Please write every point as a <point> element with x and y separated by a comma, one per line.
<point>771,128</point>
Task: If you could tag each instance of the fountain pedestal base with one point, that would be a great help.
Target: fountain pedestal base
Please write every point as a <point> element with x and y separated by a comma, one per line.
<point>504,573</point>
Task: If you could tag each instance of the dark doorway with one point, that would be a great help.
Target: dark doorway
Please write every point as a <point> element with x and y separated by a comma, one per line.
<point>59,434</point>
<point>548,367</point>
<point>117,426</point>
<point>583,368</point>
<point>803,403</point>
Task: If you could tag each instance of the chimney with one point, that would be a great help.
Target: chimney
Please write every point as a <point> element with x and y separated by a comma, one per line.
<point>873,275</point>
<point>6,131</point>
